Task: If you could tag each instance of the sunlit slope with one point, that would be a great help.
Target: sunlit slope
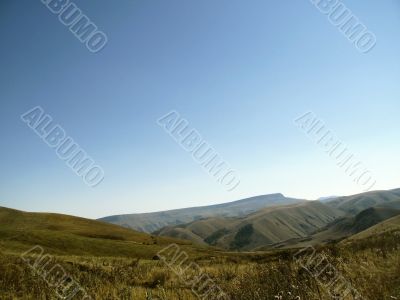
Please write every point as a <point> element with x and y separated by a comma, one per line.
<point>62,234</point>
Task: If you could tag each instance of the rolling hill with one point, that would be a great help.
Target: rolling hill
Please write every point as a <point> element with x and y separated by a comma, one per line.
<point>150,222</point>
<point>391,225</point>
<point>357,203</point>
<point>351,225</point>
<point>265,227</point>
<point>256,223</point>
<point>67,235</point>
<point>298,225</point>
<point>343,227</point>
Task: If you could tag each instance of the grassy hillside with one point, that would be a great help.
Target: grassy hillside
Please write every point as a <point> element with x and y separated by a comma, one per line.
<point>391,225</point>
<point>357,203</point>
<point>371,265</point>
<point>150,222</point>
<point>352,225</point>
<point>110,262</point>
<point>67,235</point>
<point>343,227</point>
<point>264,227</point>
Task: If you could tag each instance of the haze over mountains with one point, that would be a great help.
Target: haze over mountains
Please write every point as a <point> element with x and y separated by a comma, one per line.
<point>253,224</point>
<point>264,227</point>
<point>270,221</point>
<point>105,256</point>
<point>149,222</point>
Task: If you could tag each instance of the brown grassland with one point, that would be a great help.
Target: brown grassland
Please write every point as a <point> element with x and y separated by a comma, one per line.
<point>372,266</point>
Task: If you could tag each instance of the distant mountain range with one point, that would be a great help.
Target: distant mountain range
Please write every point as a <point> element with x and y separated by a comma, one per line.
<point>264,227</point>
<point>327,198</point>
<point>150,222</point>
<point>299,224</point>
<point>258,247</point>
<point>253,224</point>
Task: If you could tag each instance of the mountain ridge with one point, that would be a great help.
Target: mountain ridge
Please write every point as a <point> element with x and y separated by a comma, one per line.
<point>299,224</point>
<point>264,227</point>
<point>153,221</point>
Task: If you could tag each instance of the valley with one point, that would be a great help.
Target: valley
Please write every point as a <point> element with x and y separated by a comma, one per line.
<point>250,256</point>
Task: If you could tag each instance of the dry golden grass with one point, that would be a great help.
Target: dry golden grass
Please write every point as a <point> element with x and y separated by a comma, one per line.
<point>372,266</point>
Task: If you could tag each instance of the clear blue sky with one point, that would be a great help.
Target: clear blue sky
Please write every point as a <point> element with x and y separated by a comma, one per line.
<point>239,71</point>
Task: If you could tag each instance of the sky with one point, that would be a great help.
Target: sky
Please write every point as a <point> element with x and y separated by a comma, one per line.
<point>239,71</point>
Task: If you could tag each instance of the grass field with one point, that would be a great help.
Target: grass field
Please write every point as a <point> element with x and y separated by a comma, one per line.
<point>110,262</point>
<point>371,266</point>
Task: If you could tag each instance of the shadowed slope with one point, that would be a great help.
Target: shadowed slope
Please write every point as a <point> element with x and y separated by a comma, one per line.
<point>344,227</point>
<point>391,225</point>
